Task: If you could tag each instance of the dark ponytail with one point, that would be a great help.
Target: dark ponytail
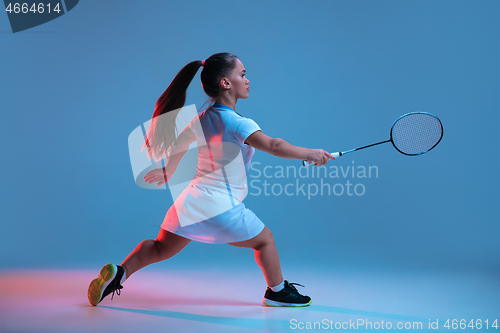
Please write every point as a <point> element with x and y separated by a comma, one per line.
<point>161,133</point>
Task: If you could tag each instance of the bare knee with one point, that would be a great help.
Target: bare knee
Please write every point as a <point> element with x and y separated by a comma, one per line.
<point>157,246</point>
<point>152,246</point>
<point>266,238</point>
<point>162,247</point>
<point>169,244</point>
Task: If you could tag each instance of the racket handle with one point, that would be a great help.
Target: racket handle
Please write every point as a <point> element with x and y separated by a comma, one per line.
<point>336,155</point>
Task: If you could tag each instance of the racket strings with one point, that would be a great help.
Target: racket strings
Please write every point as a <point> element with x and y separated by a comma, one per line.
<point>416,133</point>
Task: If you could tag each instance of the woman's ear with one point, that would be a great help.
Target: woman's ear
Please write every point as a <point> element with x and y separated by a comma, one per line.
<point>224,82</point>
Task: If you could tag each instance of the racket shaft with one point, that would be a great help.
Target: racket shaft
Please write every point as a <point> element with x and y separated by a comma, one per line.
<point>374,144</point>
<point>340,153</point>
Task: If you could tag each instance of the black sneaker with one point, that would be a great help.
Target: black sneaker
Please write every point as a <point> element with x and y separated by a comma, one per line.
<point>288,296</point>
<point>106,283</point>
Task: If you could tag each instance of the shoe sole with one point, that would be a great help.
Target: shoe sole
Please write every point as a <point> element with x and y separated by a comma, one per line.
<point>268,302</point>
<point>98,285</point>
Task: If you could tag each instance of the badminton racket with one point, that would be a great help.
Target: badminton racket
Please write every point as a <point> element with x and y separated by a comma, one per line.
<point>412,134</point>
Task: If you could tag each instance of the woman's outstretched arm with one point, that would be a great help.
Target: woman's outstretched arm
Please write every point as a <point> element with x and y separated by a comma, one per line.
<point>280,148</point>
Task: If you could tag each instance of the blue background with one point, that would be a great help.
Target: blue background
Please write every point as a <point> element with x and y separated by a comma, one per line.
<point>323,74</point>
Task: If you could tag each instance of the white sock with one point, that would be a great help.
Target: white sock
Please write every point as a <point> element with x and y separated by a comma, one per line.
<point>124,277</point>
<point>279,287</point>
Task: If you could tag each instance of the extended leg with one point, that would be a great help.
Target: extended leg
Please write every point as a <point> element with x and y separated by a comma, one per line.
<point>149,251</point>
<point>266,255</point>
<point>268,260</point>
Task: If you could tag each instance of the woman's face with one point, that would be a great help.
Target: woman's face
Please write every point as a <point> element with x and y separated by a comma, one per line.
<point>237,81</point>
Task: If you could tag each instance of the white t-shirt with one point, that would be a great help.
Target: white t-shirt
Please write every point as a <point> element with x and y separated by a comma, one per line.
<point>210,209</point>
<point>223,157</point>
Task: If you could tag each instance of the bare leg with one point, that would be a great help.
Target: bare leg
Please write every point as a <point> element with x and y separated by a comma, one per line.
<point>266,256</point>
<point>149,251</point>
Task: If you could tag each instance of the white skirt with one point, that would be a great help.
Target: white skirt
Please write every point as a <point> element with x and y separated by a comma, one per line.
<point>208,214</point>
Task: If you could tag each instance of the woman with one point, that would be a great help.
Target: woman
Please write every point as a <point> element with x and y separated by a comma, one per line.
<point>210,209</point>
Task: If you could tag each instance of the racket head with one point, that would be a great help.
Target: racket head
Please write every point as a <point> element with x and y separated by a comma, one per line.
<point>416,133</point>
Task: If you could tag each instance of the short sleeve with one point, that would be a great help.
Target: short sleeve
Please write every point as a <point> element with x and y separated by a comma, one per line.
<point>245,128</point>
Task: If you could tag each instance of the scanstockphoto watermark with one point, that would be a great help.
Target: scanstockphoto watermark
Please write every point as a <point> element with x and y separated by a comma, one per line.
<point>326,180</point>
<point>328,324</point>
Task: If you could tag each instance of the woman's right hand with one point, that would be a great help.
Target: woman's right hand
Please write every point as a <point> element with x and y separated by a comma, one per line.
<point>319,156</point>
<point>157,175</point>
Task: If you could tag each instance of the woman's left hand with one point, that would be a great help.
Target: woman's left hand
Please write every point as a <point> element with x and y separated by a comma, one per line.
<point>157,175</point>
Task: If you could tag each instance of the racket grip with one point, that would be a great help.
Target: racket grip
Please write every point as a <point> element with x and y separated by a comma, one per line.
<point>336,155</point>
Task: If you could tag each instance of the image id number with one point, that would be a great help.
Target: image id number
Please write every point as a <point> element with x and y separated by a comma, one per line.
<point>24,8</point>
